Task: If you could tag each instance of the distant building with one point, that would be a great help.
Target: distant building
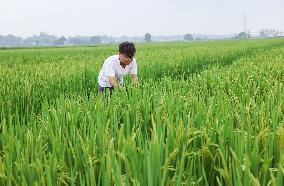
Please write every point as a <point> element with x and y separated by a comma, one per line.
<point>281,34</point>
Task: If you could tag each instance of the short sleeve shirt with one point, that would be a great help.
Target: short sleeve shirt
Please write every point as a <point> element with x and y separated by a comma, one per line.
<point>112,67</point>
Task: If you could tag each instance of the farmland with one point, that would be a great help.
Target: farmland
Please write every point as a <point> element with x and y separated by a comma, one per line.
<point>204,113</point>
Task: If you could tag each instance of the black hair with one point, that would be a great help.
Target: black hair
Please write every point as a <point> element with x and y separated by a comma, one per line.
<point>127,48</point>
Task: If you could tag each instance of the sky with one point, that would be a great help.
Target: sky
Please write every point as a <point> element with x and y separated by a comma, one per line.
<point>135,18</point>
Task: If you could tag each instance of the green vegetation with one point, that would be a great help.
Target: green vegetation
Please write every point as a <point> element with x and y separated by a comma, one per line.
<point>204,113</point>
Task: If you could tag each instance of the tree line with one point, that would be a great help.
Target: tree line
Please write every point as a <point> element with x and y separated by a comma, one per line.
<point>44,39</point>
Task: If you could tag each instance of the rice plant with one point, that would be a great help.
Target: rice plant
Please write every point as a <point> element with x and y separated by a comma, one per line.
<point>204,113</point>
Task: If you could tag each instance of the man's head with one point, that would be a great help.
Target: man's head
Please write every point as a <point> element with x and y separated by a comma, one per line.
<point>126,52</point>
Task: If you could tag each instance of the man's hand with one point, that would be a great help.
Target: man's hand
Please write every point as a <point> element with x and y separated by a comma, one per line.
<point>112,81</point>
<point>134,78</point>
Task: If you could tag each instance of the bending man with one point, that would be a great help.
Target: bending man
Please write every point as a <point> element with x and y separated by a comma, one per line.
<point>117,66</point>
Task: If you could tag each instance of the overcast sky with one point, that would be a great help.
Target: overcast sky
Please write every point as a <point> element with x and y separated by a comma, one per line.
<point>133,17</point>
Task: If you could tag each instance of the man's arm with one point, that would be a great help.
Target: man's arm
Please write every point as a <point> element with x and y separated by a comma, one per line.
<point>133,72</point>
<point>134,78</point>
<point>112,81</point>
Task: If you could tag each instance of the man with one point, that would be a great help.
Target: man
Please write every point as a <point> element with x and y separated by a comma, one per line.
<point>116,67</point>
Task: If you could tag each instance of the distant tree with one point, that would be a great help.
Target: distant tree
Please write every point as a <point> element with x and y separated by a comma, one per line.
<point>106,39</point>
<point>188,37</point>
<point>147,37</point>
<point>30,41</point>
<point>45,39</point>
<point>242,35</point>
<point>123,38</point>
<point>60,41</point>
<point>78,40</point>
<point>10,41</point>
<point>95,40</point>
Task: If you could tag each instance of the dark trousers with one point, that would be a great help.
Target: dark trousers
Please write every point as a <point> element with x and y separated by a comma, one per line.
<point>105,90</point>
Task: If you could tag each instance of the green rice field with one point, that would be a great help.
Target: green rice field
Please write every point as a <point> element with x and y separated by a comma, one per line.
<point>203,113</point>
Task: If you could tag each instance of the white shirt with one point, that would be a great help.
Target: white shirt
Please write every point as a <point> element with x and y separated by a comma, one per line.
<point>112,67</point>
